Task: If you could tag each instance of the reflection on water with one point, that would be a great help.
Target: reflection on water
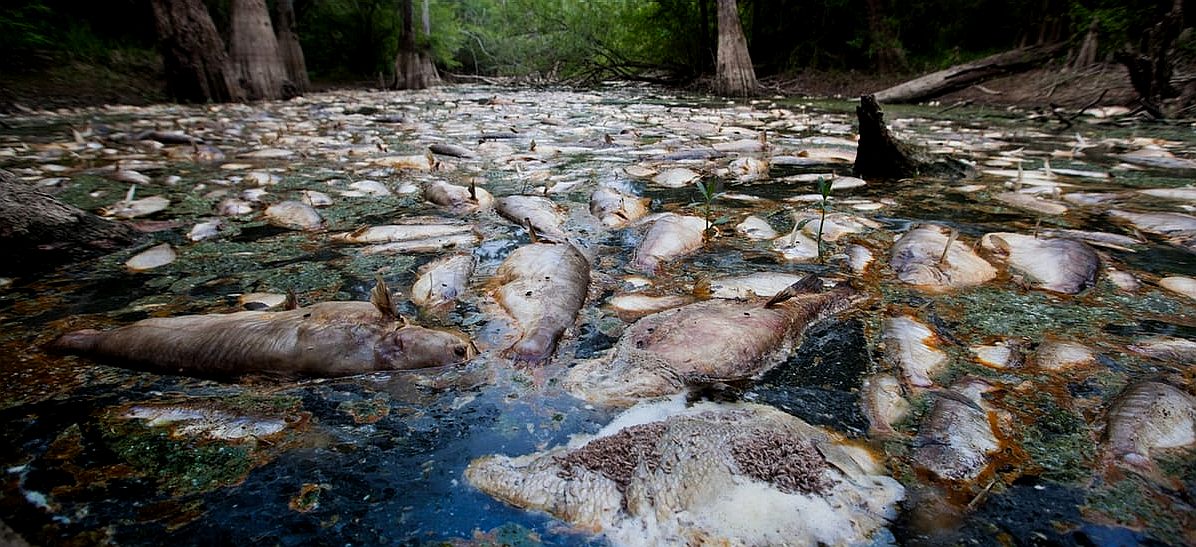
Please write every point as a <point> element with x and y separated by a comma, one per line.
<point>378,459</point>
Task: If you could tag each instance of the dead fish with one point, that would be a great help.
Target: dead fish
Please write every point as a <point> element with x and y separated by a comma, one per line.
<point>1101,239</point>
<point>207,419</point>
<point>630,307</point>
<point>1165,224</point>
<point>1180,285</point>
<point>834,226</point>
<point>205,230</point>
<point>740,146</point>
<point>461,199</point>
<point>1156,157</point>
<point>363,188</point>
<point>1146,416</point>
<point>1167,348</point>
<point>677,177</point>
<point>796,246</point>
<point>1064,266</point>
<point>1031,203</point>
<point>859,258</point>
<point>130,176</point>
<point>930,259</point>
<point>756,228</point>
<point>1182,194</point>
<point>417,162</point>
<point>154,257</point>
<point>328,339</point>
<point>670,236</point>
<point>294,215</point>
<point>1003,354</point>
<point>541,286</point>
<point>263,300</point>
<point>316,198</point>
<point>231,207</point>
<point>692,154</point>
<point>262,178</point>
<point>133,208</point>
<point>705,342</point>
<point>543,214</point>
<point>712,474</point>
<point>400,232</point>
<point>753,285</point>
<point>450,242</point>
<point>442,282</point>
<point>911,347</point>
<point>167,137</point>
<point>883,403</point>
<point>956,439</point>
<point>1125,281</point>
<point>1062,355</point>
<point>268,153</point>
<point>452,150</point>
<point>748,169</point>
<point>616,209</point>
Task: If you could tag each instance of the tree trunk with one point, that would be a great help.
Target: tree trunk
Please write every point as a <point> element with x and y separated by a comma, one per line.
<point>1087,53</point>
<point>413,66</point>
<point>961,76</point>
<point>734,75</point>
<point>197,67</point>
<point>1150,66</point>
<point>38,231</point>
<point>254,51</point>
<point>289,48</point>
<point>886,49</point>
<point>881,155</point>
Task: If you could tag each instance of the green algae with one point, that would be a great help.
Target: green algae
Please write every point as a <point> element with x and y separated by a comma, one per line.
<point>1057,440</point>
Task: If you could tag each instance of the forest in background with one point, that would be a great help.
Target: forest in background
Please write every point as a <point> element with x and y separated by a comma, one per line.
<point>671,41</point>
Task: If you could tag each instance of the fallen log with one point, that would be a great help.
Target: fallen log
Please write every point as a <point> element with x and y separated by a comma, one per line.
<point>881,155</point>
<point>961,76</point>
<point>38,231</point>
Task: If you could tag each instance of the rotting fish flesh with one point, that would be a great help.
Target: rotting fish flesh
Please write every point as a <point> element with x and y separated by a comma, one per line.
<point>1165,224</point>
<point>1166,348</point>
<point>956,439</point>
<point>918,258</point>
<point>400,232</point>
<point>328,339</point>
<point>703,343</point>
<point>1180,285</point>
<point>670,236</point>
<point>1146,416</point>
<point>543,214</point>
<point>1001,355</point>
<point>754,227</point>
<point>753,285</point>
<point>541,286</point>
<point>616,209</point>
<point>1059,265</point>
<point>1062,355</point>
<point>677,177</point>
<point>630,307</point>
<point>207,418</point>
<point>910,346</point>
<point>450,242</point>
<point>442,282</point>
<point>711,474</point>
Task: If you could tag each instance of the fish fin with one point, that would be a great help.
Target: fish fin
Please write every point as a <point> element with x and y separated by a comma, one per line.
<point>358,232</point>
<point>531,230</point>
<point>380,298</point>
<point>292,301</point>
<point>807,285</point>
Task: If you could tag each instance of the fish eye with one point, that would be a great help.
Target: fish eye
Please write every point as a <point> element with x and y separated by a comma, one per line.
<point>459,351</point>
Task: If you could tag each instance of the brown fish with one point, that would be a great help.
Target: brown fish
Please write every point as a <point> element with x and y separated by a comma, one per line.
<point>329,339</point>
<point>616,209</point>
<point>461,199</point>
<point>1146,416</point>
<point>670,236</point>
<point>544,215</point>
<point>542,286</point>
<point>704,342</point>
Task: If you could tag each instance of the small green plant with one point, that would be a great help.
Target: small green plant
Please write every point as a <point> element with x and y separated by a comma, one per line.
<point>709,192</point>
<point>824,205</point>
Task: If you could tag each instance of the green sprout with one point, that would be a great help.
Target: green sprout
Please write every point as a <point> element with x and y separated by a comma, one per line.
<point>824,205</point>
<point>709,192</point>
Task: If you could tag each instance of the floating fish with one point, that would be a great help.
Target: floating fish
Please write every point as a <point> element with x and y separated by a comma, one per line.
<point>207,419</point>
<point>932,260</point>
<point>754,227</point>
<point>956,440</point>
<point>207,229</point>
<point>1166,348</point>
<point>1062,355</point>
<point>1031,203</point>
<point>442,282</point>
<point>462,199</point>
<point>753,285</point>
<point>677,177</point>
<point>834,226</point>
<point>1003,354</point>
<point>1180,285</point>
<point>452,150</point>
<point>401,232</point>
<point>541,286</point>
<point>883,403</point>
<point>911,347</point>
<point>1147,416</point>
<point>705,342</point>
<point>154,257</point>
<point>670,236</point>
<point>329,339</point>
<point>1059,265</point>
<point>710,474</point>
<point>294,215</point>
<point>616,209</point>
<point>543,214</point>
<point>630,307</point>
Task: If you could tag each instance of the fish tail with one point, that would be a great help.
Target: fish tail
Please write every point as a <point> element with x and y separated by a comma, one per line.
<point>80,341</point>
<point>809,284</point>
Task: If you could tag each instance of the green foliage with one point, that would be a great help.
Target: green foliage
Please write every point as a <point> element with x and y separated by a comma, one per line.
<point>709,191</point>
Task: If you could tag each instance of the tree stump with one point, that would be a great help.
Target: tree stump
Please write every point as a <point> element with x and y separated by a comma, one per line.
<point>40,232</point>
<point>880,155</point>
<point>197,67</point>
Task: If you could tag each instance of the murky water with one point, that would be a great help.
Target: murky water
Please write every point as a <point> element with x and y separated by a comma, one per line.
<point>378,459</point>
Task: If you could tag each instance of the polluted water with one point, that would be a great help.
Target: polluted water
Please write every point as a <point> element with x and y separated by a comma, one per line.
<point>620,316</point>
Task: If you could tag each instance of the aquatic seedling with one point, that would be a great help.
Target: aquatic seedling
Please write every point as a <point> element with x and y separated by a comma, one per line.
<point>824,205</point>
<point>709,192</point>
